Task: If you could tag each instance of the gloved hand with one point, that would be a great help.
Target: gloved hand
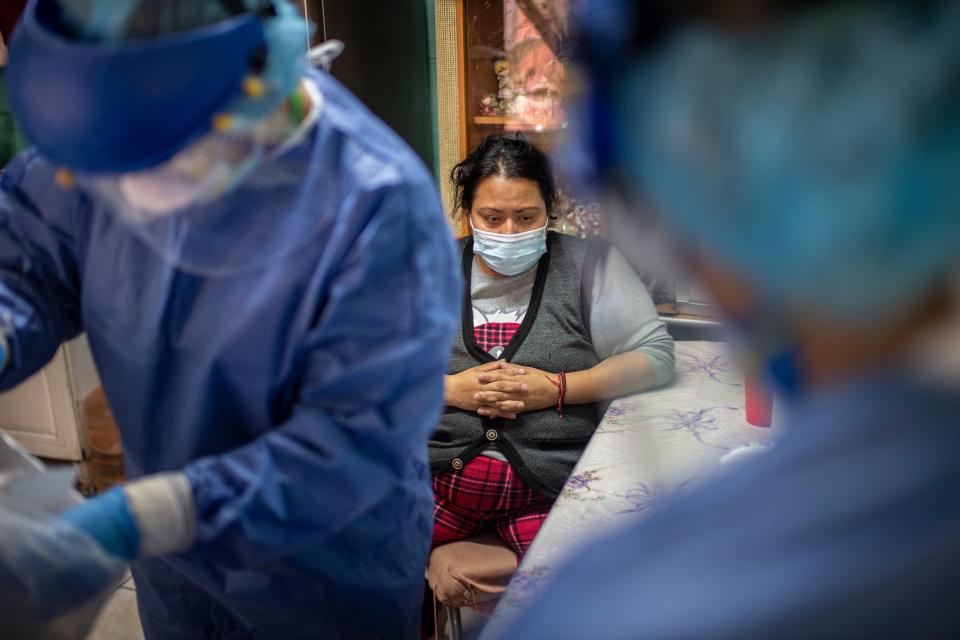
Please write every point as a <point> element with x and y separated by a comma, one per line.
<point>148,517</point>
<point>109,520</point>
<point>48,568</point>
<point>4,352</point>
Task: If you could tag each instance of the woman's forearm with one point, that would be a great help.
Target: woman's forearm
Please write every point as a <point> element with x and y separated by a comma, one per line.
<point>617,376</point>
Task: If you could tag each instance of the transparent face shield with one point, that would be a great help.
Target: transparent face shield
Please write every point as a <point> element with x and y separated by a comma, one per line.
<point>220,161</point>
<point>649,245</point>
<point>632,222</point>
<point>200,174</point>
<point>210,167</point>
<point>232,200</point>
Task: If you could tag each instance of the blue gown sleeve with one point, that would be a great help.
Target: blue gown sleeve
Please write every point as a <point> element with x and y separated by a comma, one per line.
<point>371,394</point>
<point>39,273</point>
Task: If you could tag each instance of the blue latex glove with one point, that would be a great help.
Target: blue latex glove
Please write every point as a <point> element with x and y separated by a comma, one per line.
<point>48,568</point>
<point>109,520</point>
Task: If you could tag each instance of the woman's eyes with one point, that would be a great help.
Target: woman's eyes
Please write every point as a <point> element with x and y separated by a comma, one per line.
<point>496,220</point>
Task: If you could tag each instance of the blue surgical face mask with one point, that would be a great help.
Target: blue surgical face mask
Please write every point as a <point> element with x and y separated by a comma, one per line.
<point>510,254</point>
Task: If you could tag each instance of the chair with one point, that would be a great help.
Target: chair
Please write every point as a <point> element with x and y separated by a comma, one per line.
<point>469,573</point>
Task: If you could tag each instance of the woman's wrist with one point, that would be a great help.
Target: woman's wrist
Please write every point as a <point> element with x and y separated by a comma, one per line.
<point>450,392</point>
<point>446,391</point>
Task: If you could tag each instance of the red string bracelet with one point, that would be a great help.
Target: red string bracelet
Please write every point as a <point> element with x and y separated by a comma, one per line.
<point>561,385</point>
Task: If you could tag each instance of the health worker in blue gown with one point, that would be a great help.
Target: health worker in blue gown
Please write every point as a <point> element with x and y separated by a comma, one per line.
<point>803,159</point>
<point>269,289</point>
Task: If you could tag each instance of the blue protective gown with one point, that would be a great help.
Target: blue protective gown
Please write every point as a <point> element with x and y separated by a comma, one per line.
<point>297,394</point>
<point>849,528</point>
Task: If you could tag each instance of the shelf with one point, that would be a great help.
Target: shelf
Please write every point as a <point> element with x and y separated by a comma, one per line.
<point>514,122</point>
<point>496,120</point>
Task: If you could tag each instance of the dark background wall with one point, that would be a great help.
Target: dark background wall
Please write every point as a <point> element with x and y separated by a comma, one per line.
<point>387,61</point>
<point>9,13</point>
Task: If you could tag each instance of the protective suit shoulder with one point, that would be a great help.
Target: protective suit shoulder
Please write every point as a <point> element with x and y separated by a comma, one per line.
<point>30,181</point>
<point>39,271</point>
<point>385,156</point>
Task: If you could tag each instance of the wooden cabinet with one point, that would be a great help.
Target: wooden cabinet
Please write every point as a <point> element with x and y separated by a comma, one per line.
<point>42,413</point>
<point>513,76</point>
<point>500,69</point>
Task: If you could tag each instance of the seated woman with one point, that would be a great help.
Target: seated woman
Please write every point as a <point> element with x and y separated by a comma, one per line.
<point>552,327</point>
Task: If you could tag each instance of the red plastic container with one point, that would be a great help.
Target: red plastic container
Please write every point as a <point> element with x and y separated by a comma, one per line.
<point>759,403</point>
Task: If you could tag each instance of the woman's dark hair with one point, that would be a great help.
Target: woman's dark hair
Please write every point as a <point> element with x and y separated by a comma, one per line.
<point>508,156</point>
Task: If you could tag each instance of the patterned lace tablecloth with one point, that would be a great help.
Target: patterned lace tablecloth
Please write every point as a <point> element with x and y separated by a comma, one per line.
<point>647,445</point>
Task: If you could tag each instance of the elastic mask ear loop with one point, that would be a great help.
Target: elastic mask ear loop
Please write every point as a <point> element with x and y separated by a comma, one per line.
<point>323,55</point>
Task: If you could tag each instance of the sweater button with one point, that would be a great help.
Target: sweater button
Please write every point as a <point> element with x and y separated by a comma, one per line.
<point>457,464</point>
<point>492,435</point>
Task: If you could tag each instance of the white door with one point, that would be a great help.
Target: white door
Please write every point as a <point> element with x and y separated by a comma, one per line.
<point>41,413</point>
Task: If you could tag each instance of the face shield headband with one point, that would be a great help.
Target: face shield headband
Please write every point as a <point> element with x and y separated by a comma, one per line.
<point>113,107</point>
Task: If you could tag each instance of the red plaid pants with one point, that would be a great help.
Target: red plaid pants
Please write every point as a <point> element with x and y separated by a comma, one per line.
<point>487,494</point>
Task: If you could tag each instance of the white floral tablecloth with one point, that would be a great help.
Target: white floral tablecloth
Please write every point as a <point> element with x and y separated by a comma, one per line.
<point>647,445</point>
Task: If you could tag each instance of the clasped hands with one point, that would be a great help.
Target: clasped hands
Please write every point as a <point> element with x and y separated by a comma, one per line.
<point>501,390</point>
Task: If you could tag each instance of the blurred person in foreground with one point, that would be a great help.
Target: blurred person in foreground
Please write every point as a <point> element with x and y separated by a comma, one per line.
<point>269,288</point>
<point>804,160</point>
